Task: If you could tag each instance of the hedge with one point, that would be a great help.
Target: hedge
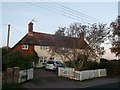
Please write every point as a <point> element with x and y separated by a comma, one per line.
<point>17,59</point>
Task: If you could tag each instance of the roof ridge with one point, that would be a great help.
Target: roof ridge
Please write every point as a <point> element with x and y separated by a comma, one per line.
<point>42,33</point>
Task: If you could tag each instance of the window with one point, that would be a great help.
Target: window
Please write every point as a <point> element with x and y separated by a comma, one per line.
<point>46,47</point>
<point>43,47</point>
<point>42,59</point>
<point>25,47</point>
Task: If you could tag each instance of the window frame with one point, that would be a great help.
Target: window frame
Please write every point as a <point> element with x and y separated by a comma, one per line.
<point>24,47</point>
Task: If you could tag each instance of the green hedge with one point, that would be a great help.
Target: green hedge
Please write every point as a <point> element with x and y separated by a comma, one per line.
<point>15,58</point>
<point>112,67</point>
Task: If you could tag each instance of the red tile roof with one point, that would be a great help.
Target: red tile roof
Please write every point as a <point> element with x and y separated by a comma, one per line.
<point>44,39</point>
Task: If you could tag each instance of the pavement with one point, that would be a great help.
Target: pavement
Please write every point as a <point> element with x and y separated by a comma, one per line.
<point>49,79</point>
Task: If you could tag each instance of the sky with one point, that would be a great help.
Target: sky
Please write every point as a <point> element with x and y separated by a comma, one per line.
<point>49,16</point>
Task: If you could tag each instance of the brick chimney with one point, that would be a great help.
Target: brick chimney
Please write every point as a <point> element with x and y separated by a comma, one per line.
<point>30,28</point>
<point>82,36</point>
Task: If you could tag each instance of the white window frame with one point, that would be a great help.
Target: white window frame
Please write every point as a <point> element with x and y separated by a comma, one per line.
<point>43,47</point>
<point>24,47</point>
<point>43,59</point>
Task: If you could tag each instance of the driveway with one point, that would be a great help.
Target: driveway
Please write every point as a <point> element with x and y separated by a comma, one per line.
<point>49,79</point>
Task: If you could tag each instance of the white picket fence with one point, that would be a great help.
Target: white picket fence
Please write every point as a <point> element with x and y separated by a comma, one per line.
<point>81,75</point>
<point>25,75</point>
<point>66,72</point>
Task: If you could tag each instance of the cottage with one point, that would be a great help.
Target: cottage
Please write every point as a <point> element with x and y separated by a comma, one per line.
<point>41,42</point>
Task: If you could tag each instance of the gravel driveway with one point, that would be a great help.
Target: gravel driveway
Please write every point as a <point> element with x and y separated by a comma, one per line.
<point>49,79</point>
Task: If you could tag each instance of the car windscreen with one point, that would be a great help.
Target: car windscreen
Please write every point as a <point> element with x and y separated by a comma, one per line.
<point>50,62</point>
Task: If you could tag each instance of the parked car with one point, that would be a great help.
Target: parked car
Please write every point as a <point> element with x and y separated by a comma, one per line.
<point>53,65</point>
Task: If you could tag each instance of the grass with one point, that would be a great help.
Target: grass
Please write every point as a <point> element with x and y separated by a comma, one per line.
<point>12,86</point>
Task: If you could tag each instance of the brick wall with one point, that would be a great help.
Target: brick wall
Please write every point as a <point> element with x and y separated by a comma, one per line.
<point>11,75</point>
<point>29,51</point>
<point>15,75</point>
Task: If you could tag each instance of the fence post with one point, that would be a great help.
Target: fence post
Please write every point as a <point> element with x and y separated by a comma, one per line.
<point>58,71</point>
<point>99,70</point>
<point>67,72</point>
<point>16,74</point>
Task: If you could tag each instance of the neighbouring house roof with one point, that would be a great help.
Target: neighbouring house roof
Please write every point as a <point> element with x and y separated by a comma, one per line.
<point>43,39</point>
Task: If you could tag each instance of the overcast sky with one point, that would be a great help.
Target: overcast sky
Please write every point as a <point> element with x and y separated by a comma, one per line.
<point>49,16</point>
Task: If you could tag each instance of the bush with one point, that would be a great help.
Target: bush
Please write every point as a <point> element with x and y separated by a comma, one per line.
<point>90,65</point>
<point>34,57</point>
<point>113,68</point>
<point>17,59</point>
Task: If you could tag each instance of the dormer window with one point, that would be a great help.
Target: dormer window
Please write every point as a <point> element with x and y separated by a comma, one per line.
<point>24,47</point>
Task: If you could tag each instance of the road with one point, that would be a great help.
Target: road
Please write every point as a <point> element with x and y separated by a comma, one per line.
<point>110,85</point>
<point>49,79</point>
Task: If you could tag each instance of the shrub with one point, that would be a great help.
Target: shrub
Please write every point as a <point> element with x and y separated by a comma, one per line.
<point>90,65</point>
<point>34,57</point>
<point>17,59</point>
<point>113,68</point>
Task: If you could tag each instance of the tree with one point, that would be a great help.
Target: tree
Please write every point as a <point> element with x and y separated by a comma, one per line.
<point>116,36</point>
<point>69,42</point>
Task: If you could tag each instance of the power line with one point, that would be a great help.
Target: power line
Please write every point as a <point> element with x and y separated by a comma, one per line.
<point>56,11</point>
<point>74,12</point>
<point>65,11</point>
<point>53,10</point>
<point>13,28</point>
<point>16,30</point>
<point>79,13</point>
